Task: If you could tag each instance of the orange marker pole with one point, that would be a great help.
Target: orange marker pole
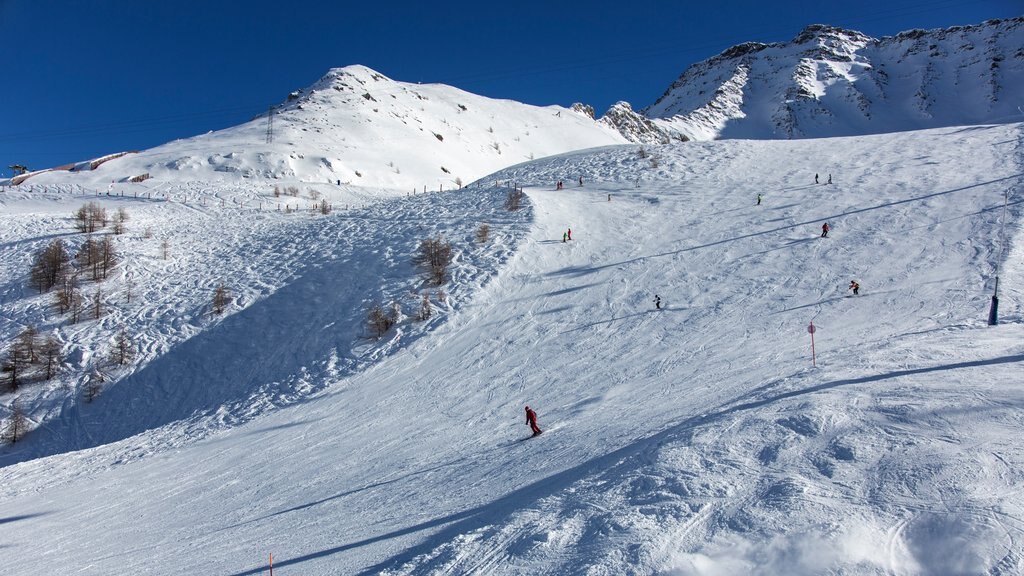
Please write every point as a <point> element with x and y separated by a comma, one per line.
<point>271,564</point>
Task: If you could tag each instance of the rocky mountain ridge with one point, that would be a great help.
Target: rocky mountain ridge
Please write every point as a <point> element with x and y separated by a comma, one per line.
<point>828,81</point>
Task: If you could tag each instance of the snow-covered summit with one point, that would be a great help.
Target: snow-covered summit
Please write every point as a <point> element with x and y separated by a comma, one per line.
<point>357,127</point>
<point>828,81</point>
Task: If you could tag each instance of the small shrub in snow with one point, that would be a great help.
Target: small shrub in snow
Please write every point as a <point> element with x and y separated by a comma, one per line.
<point>16,425</point>
<point>108,255</point>
<point>92,390</point>
<point>24,356</point>
<point>97,256</point>
<point>123,350</point>
<point>514,199</point>
<point>50,266</point>
<point>97,304</point>
<point>120,220</point>
<point>68,298</point>
<point>435,256</point>
<point>221,299</point>
<point>381,320</point>
<point>426,309</point>
<point>90,217</point>
<point>483,233</point>
<point>50,356</point>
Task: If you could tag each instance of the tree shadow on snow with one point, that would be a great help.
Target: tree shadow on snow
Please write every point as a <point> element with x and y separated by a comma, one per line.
<point>21,517</point>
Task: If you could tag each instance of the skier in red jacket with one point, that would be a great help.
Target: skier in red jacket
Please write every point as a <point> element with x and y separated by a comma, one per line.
<point>531,419</point>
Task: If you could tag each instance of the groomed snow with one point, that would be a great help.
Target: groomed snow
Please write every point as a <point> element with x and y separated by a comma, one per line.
<point>695,439</point>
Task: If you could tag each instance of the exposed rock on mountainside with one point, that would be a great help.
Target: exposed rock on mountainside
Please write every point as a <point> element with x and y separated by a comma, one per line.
<point>833,82</point>
<point>637,128</point>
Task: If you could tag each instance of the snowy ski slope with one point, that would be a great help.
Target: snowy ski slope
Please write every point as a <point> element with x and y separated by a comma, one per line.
<point>696,439</point>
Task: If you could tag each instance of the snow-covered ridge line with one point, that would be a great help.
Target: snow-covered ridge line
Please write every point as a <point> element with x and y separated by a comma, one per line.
<point>357,128</point>
<point>828,81</point>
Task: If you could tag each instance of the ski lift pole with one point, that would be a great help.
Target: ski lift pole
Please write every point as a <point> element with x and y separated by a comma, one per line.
<point>993,310</point>
<point>810,330</point>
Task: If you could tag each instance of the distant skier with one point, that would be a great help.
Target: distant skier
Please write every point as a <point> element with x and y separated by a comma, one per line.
<point>855,287</point>
<point>568,233</point>
<point>758,199</point>
<point>829,178</point>
<point>815,177</point>
<point>824,230</point>
<point>581,180</point>
<point>563,236</point>
<point>657,302</point>
<point>531,419</point>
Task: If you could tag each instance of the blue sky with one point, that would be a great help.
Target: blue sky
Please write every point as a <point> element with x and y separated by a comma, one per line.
<point>85,78</point>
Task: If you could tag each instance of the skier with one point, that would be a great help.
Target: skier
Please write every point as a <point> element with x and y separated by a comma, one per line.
<point>569,233</point>
<point>824,230</point>
<point>581,180</point>
<point>657,302</point>
<point>855,287</point>
<point>829,178</point>
<point>531,419</point>
<point>758,199</point>
<point>815,177</point>
<point>563,236</point>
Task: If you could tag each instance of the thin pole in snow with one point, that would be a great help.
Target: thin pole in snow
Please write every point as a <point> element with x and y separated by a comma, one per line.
<point>811,329</point>
<point>993,310</point>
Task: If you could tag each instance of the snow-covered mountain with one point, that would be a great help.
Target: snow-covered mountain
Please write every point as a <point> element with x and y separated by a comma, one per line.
<point>710,435</point>
<point>356,127</point>
<point>833,82</point>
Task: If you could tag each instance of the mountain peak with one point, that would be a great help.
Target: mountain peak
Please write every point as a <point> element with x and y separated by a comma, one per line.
<point>829,81</point>
<point>821,32</point>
